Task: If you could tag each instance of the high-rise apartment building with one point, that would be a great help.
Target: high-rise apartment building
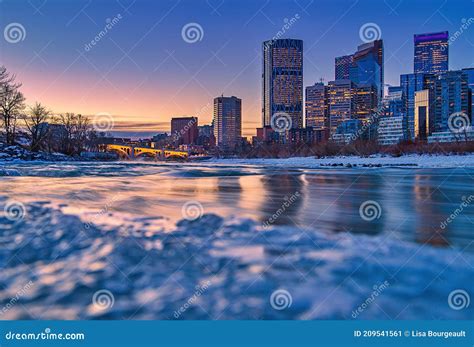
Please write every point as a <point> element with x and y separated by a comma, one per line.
<point>282,80</point>
<point>341,102</point>
<point>317,107</point>
<point>228,121</point>
<point>365,102</point>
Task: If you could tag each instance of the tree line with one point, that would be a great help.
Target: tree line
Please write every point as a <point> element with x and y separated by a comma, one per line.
<point>67,133</point>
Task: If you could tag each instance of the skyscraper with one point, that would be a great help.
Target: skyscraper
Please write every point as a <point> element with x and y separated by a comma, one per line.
<point>317,108</point>
<point>367,67</point>
<point>342,67</point>
<point>282,80</point>
<point>451,95</point>
<point>411,83</point>
<point>227,121</point>
<point>341,102</point>
<point>431,52</point>
<point>365,102</point>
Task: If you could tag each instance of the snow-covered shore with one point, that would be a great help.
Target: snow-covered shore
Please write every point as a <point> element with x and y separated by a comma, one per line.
<point>413,160</point>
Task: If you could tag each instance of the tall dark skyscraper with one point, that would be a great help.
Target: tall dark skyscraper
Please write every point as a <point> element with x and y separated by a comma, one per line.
<point>367,67</point>
<point>282,80</point>
<point>342,67</point>
<point>431,52</point>
<point>227,121</point>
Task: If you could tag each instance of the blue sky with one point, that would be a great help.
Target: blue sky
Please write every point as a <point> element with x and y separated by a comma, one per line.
<point>143,72</point>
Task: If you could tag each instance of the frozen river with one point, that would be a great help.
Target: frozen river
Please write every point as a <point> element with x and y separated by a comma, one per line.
<point>216,240</point>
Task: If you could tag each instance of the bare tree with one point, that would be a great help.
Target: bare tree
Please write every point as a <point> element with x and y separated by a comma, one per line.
<point>12,103</point>
<point>67,120</point>
<point>76,132</point>
<point>81,132</point>
<point>35,121</point>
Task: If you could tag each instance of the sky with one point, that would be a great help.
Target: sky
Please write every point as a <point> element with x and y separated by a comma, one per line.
<point>146,67</point>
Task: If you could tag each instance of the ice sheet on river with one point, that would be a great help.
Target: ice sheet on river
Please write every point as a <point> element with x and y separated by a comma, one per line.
<point>215,268</point>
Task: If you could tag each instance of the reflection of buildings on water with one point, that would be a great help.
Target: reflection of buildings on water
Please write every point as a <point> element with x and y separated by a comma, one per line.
<point>229,190</point>
<point>431,207</point>
<point>283,197</point>
<point>335,202</point>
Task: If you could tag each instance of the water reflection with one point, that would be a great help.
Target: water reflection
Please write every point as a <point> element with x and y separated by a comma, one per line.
<point>414,203</point>
<point>284,191</point>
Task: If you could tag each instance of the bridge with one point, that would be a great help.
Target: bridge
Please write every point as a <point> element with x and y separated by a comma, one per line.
<point>132,152</point>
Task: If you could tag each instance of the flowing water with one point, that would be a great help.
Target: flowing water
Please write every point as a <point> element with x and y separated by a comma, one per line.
<point>234,241</point>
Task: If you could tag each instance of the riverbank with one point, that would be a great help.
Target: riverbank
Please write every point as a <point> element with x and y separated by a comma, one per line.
<point>19,154</point>
<point>412,160</point>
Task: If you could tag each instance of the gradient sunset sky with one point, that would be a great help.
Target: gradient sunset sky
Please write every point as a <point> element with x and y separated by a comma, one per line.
<point>143,73</point>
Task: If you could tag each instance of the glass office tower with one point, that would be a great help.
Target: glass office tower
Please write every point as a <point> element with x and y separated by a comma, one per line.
<point>431,52</point>
<point>411,83</point>
<point>367,67</point>
<point>470,81</point>
<point>452,95</point>
<point>282,80</point>
<point>342,67</point>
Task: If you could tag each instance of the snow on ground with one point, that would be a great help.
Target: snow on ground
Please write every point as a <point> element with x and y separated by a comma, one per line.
<point>414,160</point>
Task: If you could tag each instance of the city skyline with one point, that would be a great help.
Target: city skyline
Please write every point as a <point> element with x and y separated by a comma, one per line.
<point>133,91</point>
